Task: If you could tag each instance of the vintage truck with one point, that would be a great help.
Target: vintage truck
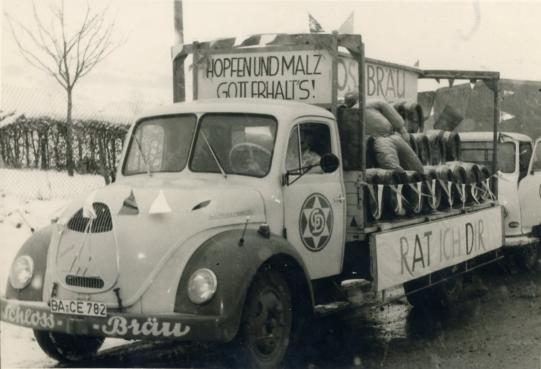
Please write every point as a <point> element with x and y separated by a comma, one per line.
<point>518,187</point>
<point>216,230</point>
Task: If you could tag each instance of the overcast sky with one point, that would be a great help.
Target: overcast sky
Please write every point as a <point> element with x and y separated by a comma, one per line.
<point>484,35</point>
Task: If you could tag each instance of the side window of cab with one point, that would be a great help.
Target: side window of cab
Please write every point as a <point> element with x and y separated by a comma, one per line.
<point>524,157</point>
<point>536,165</point>
<point>308,142</point>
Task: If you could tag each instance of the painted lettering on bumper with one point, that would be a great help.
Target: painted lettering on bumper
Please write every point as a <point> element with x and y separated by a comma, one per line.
<point>37,315</point>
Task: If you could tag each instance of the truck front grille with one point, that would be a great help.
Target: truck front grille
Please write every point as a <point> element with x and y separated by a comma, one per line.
<point>87,282</point>
<point>102,223</point>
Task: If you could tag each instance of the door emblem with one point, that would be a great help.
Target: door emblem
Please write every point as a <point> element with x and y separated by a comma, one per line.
<point>315,222</point>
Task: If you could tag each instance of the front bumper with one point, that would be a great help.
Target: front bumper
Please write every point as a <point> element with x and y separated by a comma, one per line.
<point>518,241</point>
<point>185,327</point>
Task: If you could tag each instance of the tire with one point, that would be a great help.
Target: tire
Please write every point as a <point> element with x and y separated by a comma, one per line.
<point>528,257</point>
<point>68,348</point>
<point>440,296</point>
<point>266,326</point>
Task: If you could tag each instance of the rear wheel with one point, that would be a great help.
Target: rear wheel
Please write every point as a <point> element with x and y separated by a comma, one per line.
<point>67,347</point>
<point>267,321</point>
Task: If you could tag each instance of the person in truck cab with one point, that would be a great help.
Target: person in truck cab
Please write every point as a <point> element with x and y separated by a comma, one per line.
<point>309,155</point>
<point>304,148</point>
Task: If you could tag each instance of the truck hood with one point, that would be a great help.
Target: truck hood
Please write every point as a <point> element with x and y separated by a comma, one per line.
<point>121,235</point>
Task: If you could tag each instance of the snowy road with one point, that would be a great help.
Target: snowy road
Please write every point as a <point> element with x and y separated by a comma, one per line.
<point>498,329</point>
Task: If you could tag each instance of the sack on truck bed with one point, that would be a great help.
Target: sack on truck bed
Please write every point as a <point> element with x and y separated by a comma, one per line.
<point>377,124</point>
<point>385,153</point>
<point>407,157</point>
<point>349,126</point>
<point>388,112</point>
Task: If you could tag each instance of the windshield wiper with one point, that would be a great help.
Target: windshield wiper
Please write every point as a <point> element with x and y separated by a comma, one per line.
<point>214,155</point>
<point>147,164</point>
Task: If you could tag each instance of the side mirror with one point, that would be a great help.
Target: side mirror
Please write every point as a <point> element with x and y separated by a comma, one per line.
<point>329,163</point>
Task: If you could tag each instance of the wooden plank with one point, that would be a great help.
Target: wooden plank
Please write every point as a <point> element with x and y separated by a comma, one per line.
<point>459,74</point>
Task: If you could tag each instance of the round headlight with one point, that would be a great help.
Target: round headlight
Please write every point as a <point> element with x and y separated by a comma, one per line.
<point>202,286</point>
<point>21,272</point>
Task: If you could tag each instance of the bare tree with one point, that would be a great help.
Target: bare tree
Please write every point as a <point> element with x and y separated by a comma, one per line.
<point>65,53</point>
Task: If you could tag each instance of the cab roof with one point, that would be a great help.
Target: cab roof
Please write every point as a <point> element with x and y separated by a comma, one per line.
<point>489,135</point>
<point>277,108</point>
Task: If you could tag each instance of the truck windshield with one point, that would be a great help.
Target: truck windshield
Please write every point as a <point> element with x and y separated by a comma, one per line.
<point>480,152</point>
<point>160,144</point>
<point>239,143</point>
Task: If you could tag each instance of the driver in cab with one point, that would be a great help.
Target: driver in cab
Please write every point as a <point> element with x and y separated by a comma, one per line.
<point>308,156</point>
<point>251,158</point>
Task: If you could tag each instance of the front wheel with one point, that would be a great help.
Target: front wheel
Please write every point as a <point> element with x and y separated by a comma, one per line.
<point>267,319</point>
<point>67,347</point>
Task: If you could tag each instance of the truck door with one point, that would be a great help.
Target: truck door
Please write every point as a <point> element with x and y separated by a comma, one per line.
<point>314,203</point>
<point>530,191</point>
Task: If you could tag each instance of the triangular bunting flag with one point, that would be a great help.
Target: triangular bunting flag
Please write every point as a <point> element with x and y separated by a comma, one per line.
<point>314,25</point>
<point>347,26</point>
<point>129,206</point>
<point>505,116</point>
<point>353,222</point>
<point>160,205</point>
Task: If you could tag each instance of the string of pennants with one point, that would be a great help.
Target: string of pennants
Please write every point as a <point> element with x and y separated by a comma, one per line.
<point>427,189</point>
<point>159,205</point>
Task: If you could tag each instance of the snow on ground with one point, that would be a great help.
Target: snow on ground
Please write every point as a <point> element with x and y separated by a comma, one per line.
<point>30,199</point>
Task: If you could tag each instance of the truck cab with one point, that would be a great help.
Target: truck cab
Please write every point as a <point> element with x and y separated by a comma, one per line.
<point>258,146</point>
<point>518,185</point>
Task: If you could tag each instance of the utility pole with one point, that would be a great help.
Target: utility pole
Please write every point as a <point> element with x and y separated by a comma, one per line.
<point>179,24</point>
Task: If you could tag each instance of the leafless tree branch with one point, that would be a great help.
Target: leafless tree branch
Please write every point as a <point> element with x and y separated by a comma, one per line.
<point>65,54</point>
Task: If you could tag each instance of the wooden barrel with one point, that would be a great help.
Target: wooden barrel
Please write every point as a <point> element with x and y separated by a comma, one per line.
<point>382,193</point>
<point>423,148</point>
<point>486,178</point>
<point>460,181</point>
<point>432,188</point>
<point>413,144</point>
<point>413,116</point>
<point>412,193</point>
<point>445,182</point>
<point>452,145</point>
<point>474,183</point>
<point>437,147</point>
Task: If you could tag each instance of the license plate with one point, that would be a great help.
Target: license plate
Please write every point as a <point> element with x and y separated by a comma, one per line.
<point>73,307</point>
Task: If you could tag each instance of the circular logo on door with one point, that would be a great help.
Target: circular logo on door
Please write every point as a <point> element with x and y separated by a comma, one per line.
<point>315,222</point>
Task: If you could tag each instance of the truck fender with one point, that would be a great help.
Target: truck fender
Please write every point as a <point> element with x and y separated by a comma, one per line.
<point>235,264</point>
<point>36,247</point>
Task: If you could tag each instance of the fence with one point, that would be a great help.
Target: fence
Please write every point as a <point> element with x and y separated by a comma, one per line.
<point>40,143</point>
